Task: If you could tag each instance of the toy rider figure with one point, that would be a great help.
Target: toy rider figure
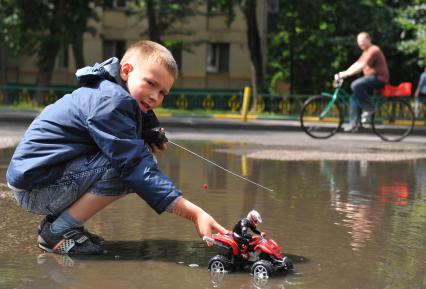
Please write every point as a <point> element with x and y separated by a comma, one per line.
<point>240,230</point>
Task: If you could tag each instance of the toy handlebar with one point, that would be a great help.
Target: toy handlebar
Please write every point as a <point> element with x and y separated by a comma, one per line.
<point>208,239</point>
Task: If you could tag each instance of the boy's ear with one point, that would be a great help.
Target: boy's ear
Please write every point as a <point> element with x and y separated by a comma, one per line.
<point>125,69</point>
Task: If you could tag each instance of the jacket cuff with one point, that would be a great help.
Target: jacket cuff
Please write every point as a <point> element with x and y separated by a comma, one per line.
<point>170,207</point>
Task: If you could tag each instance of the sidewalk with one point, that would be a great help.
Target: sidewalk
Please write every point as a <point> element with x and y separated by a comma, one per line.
<point>228,122</point>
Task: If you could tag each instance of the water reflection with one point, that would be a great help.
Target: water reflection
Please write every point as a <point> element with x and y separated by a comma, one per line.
<point>368,193</point>
<point>219,280</point>
<point>345,224</point>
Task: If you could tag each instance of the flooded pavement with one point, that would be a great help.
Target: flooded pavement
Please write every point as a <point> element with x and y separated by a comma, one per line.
<point>345,222</point>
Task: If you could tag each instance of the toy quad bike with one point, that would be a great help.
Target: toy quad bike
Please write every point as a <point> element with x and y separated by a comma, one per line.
<point>264,257</point>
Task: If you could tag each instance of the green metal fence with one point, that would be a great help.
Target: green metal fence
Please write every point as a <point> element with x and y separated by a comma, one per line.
<point>25,95</point>
<point>183,100</point>
<point>209,101</point>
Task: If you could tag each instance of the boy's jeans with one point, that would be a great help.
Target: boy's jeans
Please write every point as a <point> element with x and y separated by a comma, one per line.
<point>91,173</point>
<point>362,89</point>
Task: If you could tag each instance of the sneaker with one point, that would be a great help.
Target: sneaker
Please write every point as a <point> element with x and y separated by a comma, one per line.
<point>49,219</point>
<point>350,127</point>
<point>72,241</point>
<point>365,116</point>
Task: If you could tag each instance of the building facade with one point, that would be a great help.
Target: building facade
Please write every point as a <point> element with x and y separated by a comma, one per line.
<point>218,57</point>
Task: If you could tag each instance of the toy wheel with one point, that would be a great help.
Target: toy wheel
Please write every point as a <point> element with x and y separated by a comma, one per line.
<point>261,269</point>
<point>219,264</point>
<point>289,263</point>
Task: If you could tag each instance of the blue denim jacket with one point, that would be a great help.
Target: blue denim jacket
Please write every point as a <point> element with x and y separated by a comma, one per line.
<point>101,115</point>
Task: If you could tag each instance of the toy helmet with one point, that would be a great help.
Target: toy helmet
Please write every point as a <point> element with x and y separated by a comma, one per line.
<point>254,217</point>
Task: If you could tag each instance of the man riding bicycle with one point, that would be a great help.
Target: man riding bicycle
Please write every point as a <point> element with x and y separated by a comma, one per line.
<point>372,63</point>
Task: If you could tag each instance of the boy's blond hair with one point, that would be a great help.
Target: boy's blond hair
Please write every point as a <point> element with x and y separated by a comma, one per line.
<point>149,50</point>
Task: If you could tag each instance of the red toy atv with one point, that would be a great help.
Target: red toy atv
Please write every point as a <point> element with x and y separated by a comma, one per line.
<point>263,258</point>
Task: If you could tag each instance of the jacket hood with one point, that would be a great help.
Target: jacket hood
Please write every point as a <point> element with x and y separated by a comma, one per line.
<point>109,70</point>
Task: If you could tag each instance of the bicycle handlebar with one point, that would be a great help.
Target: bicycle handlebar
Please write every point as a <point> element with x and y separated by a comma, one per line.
<point>337,80</point>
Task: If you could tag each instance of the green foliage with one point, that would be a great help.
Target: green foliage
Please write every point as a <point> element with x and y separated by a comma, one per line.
<point>315,39</point>
<point>20,27</point>
<point>32,26</point>
<point>412,20</point>
<point>44,28</point>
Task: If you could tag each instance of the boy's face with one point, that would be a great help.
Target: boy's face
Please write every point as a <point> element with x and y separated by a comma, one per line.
<point>148,83</point>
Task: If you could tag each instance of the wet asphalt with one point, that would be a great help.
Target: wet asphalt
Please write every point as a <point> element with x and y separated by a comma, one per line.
<point>265,139</point>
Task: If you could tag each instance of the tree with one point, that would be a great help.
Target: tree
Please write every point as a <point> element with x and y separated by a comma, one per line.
<point>44,28</point>
<point>164,15</point>
<point>412,20</point>
<point>315,39</point>
<point>78,16</point>
<point>249,7</point>
<point>254,43</point>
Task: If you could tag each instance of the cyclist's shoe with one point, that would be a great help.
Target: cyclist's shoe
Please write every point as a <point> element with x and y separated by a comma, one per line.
<point>72,241</point>
<point>49,219</point>
<point>350,127</point>
<point>365,116</point>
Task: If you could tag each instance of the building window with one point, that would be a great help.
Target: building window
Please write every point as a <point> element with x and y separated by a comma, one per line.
<point>62,59</point>
<point>218,58</point>
<point>113,48</point>
<point>215,7</point>
<point>273,6</point>
<point>120,4</point>
<point>116,4</point>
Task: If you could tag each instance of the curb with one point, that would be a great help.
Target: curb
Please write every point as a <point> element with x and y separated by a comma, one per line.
<point>214,121</point>
<point>18,116</point>
<point>228,124</point>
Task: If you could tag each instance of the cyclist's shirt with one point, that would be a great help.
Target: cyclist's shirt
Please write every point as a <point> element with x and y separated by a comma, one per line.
<point>376,63</point>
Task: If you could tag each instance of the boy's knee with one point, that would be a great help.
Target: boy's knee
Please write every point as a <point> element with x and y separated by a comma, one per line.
<point>33,202</point>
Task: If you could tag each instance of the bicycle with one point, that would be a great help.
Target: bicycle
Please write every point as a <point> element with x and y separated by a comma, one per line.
<point>322,116</point>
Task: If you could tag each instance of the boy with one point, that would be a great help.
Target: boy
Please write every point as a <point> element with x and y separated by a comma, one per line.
<point>87,150</point>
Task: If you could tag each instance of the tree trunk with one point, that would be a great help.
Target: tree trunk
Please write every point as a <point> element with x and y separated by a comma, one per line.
<point>254,44</point>
<point>3,75</point>
<point>292,80</point>
<point>48,52</point>
<point>77,48</point>
<point>154,34</point>
<point>45,66</point>
<point>3,66</point>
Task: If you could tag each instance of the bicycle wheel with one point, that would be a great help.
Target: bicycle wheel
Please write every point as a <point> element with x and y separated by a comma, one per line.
<point>394,120</point>
<point>318,120</point>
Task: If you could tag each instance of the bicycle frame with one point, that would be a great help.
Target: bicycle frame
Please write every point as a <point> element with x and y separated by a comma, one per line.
<point>339,94</point>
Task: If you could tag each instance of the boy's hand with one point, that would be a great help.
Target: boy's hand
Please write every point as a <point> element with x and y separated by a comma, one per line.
<point>156,139</point>
<point>156,150</point>
<point>204,223</point>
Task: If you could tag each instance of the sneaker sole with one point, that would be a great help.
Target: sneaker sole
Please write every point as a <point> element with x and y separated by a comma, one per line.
<point>46,249</point>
